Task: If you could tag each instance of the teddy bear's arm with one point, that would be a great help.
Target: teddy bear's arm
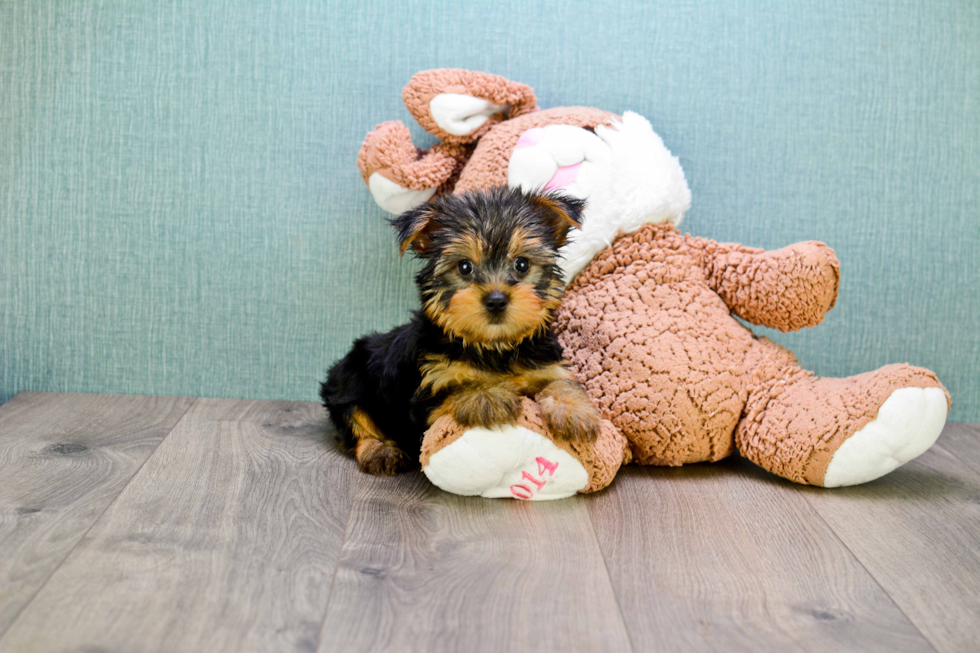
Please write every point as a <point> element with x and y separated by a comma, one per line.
<point>786,289</point>
<point>460,106</point>
<point>400,175</point>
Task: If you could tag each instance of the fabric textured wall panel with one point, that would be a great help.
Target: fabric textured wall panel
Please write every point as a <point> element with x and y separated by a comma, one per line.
<point>180,210</point>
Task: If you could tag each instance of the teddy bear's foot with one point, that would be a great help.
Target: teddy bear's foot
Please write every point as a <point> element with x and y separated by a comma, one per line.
<point>833,432</point>
<point>907,424</point>
<point>509,461</point>
<point>521,461</point>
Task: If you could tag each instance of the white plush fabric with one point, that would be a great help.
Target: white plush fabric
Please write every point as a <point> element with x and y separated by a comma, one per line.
<point>394,198</point>
<point>628,178</point>
<point>907,424</point>
<point>557,146</point>
<point>503,463</point>
<point>460,114</point>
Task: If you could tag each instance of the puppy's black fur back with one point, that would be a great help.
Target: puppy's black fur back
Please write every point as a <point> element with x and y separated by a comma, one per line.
<point>381,375</point>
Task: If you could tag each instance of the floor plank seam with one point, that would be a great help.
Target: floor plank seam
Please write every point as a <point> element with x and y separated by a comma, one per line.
<point>816,513</point>
<point>94,523</point>
<point>605,565</point>
<point>340,554</point>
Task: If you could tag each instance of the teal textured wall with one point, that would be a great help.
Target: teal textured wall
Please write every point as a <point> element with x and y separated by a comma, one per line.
<point>181,213</point>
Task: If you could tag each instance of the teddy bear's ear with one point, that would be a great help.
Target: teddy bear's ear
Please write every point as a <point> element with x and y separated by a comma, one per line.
<point>460,106</point>
<point>564,212</point>
<point>415,228</point>
<point>402,176</point>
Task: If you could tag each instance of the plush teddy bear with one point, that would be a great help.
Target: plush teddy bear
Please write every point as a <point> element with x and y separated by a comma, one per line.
<point>648,319</point>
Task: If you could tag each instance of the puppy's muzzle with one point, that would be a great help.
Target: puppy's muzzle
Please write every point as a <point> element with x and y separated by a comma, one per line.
<point>495,302</point>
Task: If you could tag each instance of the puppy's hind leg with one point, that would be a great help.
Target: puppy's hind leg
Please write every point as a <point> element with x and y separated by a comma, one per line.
<point>375,453</point>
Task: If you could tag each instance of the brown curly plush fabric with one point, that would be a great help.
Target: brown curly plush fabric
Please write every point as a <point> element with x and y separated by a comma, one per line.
<point>806,276</point>
<point>418,93</point>
<point>601,460</point>
<point>388,150</point>
<point>648,329</point>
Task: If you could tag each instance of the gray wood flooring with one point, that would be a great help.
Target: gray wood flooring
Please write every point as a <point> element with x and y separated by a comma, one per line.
<point>171,524</point>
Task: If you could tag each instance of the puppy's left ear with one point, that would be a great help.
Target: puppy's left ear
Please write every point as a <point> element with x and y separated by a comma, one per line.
<point>415,228</point>
<point>564,212</point>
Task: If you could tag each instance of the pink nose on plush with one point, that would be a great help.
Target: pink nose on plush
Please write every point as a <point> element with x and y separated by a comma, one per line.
<point>565,176</point>
<point>530,138</point>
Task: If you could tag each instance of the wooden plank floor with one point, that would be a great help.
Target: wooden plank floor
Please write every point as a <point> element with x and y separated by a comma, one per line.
<point>169,524</point>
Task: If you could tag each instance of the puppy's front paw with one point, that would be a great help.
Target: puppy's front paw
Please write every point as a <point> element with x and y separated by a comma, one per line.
<point>380,457</point>
<point>488,406</point>
<point>570,417</point>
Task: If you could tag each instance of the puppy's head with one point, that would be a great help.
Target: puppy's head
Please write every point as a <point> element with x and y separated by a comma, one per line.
<point>490,276</point>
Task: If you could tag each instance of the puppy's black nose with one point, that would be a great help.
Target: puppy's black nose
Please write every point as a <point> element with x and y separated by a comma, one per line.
<point>496,301</point>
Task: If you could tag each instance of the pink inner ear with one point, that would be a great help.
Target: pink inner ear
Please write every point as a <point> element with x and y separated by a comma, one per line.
<point>530,137</point>
<point>565,176</point>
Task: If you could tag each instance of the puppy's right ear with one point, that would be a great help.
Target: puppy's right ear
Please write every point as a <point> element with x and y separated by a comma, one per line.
<point>564,212</point>
<point>415,228</point>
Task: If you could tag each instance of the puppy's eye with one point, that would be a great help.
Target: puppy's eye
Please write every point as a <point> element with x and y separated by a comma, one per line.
<point>465,267</point>
<point>522,265</point>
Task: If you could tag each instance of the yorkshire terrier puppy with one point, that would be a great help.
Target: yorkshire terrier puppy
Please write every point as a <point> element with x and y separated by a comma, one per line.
<point>489,287</point>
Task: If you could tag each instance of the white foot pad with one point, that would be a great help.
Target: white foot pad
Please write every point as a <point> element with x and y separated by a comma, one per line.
<point>907,424</point>
<point>509,461</point>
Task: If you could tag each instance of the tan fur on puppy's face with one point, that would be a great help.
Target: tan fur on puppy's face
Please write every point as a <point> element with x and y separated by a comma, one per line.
<point>532,295</point>
<point>501,244</point>
<point>468,319</point>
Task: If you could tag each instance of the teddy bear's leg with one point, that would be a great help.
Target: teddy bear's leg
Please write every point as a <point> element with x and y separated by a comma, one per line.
<point>522,461</point>
<point>399,175</point>
<point>835,432</point>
